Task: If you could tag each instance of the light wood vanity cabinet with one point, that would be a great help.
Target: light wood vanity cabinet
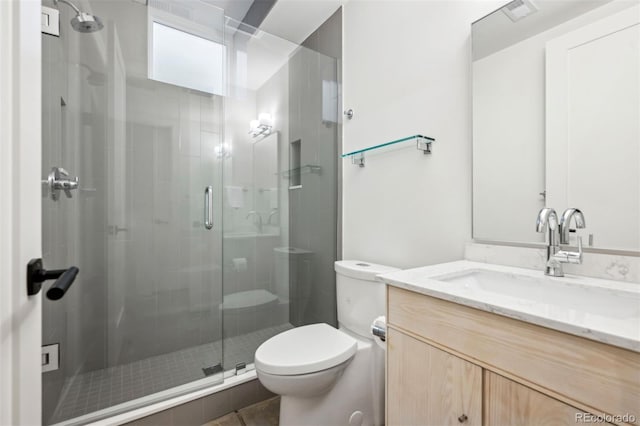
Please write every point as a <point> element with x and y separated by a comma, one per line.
<point>509,403</point>
<point>448,364</point>
<point>430,386</point>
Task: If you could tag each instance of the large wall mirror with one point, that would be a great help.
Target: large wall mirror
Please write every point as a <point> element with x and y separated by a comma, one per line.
<point>556,120</point>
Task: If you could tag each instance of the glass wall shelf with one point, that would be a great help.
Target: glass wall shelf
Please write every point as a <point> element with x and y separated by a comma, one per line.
<point>423,143</point>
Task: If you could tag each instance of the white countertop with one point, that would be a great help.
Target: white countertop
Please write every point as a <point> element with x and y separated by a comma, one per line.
<point>601,310</point>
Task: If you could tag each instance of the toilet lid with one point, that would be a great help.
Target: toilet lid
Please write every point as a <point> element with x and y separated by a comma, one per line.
<point>305,350</point>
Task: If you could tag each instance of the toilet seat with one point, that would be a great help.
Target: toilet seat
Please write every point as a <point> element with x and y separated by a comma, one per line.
<point>305,350</point>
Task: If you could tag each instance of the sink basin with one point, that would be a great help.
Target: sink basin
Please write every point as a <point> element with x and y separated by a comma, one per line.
<point>604,310</point>
<point>571,297</point>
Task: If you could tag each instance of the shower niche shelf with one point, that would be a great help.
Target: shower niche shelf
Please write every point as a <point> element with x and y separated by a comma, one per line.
<point>294,175</point>
<point>309,168</point>
<point>423,143</point>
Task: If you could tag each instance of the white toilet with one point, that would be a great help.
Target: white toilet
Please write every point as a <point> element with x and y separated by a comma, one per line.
<point>327,376</point>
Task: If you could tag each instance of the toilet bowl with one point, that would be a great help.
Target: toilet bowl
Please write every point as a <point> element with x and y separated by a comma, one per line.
<point>306,361</point>
<point>329,376</point>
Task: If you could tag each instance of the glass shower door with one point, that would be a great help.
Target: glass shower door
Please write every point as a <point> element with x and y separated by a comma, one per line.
<point>143,319</point>
<point>280,190</point>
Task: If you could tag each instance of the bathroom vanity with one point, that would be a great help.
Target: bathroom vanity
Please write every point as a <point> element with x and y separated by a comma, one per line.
<point>474,343</point>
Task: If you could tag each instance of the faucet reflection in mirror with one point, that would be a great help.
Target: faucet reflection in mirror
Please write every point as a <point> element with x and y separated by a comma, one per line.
<point>223,150</point>
<point>257,220</point>
<point>559,234</point>
<point>274,213</point>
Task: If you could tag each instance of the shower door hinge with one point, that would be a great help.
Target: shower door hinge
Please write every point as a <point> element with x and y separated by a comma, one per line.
<point>241,368</point>
<point>50,357</point>
<point>215,369</point>
<point>50,21</point>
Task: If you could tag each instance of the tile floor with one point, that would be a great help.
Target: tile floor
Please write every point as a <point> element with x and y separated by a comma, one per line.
<point>104,388</point>
<point>264,413</point>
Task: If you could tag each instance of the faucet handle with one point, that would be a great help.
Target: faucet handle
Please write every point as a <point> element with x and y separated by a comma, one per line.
<point>579,254</point>
<point>566,256</point>
<point>576,256</point>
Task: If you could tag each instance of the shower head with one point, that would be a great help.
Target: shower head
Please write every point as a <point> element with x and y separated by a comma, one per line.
<point>85,23</point>
<point>82,22</point>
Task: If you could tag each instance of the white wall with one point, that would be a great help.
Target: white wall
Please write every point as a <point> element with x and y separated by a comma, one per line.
<point>20,232</point>
<point>407,71</point>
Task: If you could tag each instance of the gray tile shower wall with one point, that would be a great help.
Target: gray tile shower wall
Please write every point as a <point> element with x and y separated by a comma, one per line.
<point>74,229</point>
<point>313,208</point>
<point>55,330</point>
<point>174,286</point>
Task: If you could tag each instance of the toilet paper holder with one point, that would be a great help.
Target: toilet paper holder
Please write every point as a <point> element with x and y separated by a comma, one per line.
<point>239,264</point>
<point>379,330</point>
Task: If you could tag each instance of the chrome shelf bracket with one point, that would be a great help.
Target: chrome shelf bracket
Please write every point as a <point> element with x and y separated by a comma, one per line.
<point>424,145</point>
<point>358,159</point>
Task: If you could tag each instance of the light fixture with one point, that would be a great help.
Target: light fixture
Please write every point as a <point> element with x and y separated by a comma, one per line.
<point>262,126</point>
<point>223,150</point>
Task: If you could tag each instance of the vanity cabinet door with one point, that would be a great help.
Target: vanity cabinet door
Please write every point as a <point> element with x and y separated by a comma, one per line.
<point>510,403</point>
<point>427,386</point>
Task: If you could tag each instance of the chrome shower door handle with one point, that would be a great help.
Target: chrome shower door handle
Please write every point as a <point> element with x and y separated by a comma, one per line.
<point>208,207</point>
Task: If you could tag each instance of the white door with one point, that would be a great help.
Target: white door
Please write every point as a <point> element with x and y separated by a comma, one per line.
<point>593,127</point>
<point>20,214</point>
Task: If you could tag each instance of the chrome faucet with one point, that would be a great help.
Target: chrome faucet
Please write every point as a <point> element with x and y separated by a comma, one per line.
<point>565,256</point>
<point>565,221</point>
<point>548,219</point>
<point>258,221</point>
<point>273,213</point>
<point>559,234</point>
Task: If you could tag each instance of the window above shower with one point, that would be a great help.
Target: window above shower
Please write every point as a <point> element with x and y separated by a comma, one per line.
<point>186,45</point>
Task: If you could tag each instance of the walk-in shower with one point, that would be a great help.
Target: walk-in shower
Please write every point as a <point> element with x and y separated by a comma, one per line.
<point>196,241</point>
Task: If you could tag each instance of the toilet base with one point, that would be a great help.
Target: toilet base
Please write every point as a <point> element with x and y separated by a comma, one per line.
<point>360,389</point>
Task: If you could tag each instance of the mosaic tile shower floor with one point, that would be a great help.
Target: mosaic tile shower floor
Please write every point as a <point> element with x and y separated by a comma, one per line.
<point>104,388</point>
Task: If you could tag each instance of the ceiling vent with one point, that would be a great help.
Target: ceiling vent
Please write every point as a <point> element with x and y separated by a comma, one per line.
<point>519,9</point>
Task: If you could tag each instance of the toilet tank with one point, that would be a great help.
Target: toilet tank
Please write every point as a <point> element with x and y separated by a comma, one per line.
<point>359,296</point>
